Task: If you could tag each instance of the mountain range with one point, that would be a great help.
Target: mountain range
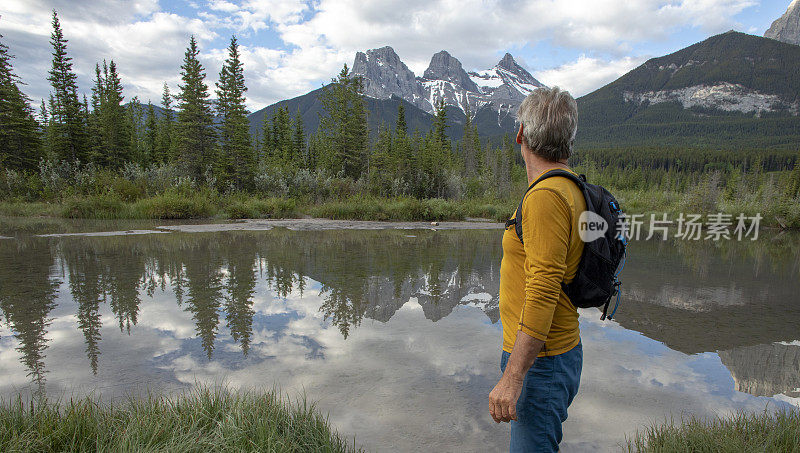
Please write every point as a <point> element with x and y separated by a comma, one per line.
<point>502,87</point>
<point>732,90</point>
<point>491,96</point>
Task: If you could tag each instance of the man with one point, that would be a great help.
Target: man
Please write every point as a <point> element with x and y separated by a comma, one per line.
<point>542,355</point>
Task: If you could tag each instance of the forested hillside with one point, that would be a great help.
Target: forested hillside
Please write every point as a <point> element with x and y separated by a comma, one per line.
<point>733,90</point>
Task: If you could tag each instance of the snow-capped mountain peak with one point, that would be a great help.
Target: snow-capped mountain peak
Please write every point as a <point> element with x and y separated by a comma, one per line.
<point>502,88</point>
<point>508,72</point>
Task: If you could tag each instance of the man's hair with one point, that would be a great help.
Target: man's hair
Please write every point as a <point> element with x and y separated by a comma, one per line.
<point>549,118</point>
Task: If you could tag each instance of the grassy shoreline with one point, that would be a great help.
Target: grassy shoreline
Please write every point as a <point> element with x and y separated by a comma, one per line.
<point>197,421</point>
<point>780,213</point>
<point>239,207</point>
<point>741,432</point>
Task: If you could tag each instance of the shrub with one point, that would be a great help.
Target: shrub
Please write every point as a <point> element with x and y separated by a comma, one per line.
<point>105,206</point>
<point>255,208</point>
<point>174,205</point>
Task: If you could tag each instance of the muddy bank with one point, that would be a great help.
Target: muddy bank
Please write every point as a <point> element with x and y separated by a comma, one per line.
<point>327,224</point>
<point>308,224</point>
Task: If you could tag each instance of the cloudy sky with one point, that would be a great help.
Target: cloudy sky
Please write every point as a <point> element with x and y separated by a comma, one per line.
<point>293,46</point>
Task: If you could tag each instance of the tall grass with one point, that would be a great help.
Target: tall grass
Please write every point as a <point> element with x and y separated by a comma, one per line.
<point>201,420</point>
<point>741,432</point>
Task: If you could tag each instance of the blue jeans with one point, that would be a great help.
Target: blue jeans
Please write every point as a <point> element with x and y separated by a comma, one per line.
<point>549,387</point>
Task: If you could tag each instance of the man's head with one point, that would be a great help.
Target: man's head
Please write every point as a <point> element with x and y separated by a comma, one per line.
<point>548,120</point>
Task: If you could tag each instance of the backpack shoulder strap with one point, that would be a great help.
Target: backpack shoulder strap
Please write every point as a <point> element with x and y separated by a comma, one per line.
<point>517,220</point>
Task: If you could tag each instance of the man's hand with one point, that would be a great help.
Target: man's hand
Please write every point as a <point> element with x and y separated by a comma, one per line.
<point>503,398</point>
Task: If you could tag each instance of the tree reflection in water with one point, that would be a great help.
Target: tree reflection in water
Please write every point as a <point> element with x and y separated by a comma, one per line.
<point>674,291</point>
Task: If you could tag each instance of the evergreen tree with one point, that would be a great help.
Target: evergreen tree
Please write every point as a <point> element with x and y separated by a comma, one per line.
<point>401,129</point>
<point>165,128</point>
<point>151,135</point>
<point>267,144</point>
<point>402,158</point>
<point>20,145</point>
<point>344,125</point>
<point>108,122</point>
<point>505,156</point>
<point>97,151</point>
<point>440,124</point>
<point>44,115</point>
<point>468,145</point>
<point>282,138</point>
<point>135,118</point>
<point>196,139</point>
<point>299,143</point>
<point>237,160</point>
<point>69,138</point>
<point>380,163</point>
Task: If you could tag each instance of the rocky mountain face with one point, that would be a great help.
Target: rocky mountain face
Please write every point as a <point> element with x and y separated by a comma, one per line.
<point>384,75</point>
<point>501,88</point>
<point>787,27</point>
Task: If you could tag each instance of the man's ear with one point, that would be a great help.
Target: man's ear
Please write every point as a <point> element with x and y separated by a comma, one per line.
<point>519,135</point>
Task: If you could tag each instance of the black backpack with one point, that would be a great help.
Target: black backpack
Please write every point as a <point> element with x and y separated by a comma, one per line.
<point>595,281</point>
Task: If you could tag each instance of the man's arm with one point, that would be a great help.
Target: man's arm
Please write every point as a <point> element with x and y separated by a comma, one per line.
<point>503,398</point>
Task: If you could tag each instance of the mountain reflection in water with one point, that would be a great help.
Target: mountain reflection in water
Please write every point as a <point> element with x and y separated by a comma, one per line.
<point>169,308</point>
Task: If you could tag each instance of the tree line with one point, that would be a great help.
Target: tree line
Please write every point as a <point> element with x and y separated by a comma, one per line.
<point>209,142</point>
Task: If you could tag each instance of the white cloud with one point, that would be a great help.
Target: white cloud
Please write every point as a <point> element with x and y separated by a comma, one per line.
<point>310,40</point>
<point>587,74</point>
<point>477,31</point>
<point>147,46</point>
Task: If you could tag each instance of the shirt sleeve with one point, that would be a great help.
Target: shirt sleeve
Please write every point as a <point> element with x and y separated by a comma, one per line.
<point>546,228</point>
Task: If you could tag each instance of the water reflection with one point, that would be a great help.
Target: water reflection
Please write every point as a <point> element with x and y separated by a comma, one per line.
<point>368,322</point>
<point>361,274</point>
<point>766,369</point>
<point>27,294</point>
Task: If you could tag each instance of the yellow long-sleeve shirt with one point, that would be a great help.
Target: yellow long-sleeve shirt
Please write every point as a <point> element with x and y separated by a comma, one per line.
<point>531,298</point>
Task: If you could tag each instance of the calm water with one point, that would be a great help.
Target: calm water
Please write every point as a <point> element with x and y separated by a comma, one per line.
<point>394,333</point>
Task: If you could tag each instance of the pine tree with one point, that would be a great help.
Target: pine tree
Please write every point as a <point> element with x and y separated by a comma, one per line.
<point>344,125</point>
<point>118,127</point>
<point>506,158</point>
<point>267,144</point>
<point>468,145</point>
<point>402,156</point>
<point>285,138</point>
<point>440,124</point>
<point>164,148</point>
<point>151,135</point>
<point>401,129</point>
<point>299,143</point>
<point>97,150</point>
<point>69,138</point>
<point>108,122</point>
<point>379,164</point>
<point>20,144</point>
<point>135,118</point>
<point>196,140</point>
<point>237,160</point>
